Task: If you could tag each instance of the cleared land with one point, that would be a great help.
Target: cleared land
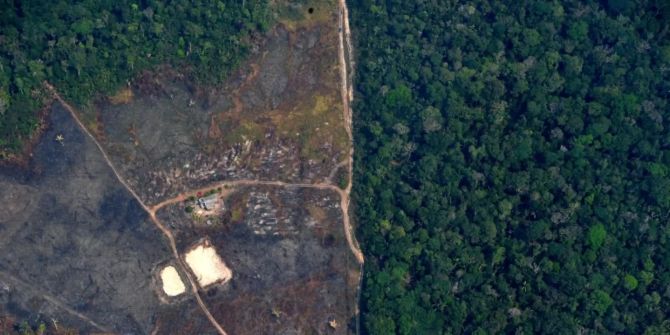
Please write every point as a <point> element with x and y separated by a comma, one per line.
<point>289,254</point>
<point>172,283</point>
<point>78,247</point>
<point>207,265</point>
<point>280,117</point>
<point>272,138</point>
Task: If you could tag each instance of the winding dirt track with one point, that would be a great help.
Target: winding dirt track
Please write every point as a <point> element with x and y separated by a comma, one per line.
<point>344,202</point>
<point>347,96</point>
<point>152,213</point>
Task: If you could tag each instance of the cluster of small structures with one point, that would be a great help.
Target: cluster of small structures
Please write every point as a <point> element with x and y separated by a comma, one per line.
<point>202,259</point>
<point>210,203</point>
<point>208,207</point>
<point>302,277</point>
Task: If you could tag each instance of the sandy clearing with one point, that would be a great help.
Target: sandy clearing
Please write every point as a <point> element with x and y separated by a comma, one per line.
<point>207,265</point>
<point>172,283</point>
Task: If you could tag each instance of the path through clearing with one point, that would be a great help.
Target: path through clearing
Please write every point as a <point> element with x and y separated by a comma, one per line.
<point>152,214</point>
<point>347,96</point>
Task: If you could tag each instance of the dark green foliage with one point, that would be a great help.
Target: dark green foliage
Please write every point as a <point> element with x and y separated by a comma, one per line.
<point>513,164</point>
<point>630,282</point>
<point>597,236</point>
<point>92,46</point>
<point>342,181</point>
<point>26,329</point>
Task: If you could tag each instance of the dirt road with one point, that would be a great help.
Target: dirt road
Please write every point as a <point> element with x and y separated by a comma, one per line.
<point>347,96</point>
<point>346,89</point>
<point>152,213</point>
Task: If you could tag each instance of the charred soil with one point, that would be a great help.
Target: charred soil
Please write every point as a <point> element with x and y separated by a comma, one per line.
<point>90,221</point>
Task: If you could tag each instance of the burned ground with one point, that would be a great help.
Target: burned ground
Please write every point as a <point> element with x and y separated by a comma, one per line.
<point>292,269</point>
<point>278,118</point>
<point>72,237</point>
<point>77,247</point>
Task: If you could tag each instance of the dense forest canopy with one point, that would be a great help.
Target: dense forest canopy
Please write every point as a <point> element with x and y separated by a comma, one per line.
<point>92,46</point>
<point>513,166</point>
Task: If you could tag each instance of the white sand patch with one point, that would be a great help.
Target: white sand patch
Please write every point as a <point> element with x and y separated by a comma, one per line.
<point>172,284</point>
<point>207,265</point>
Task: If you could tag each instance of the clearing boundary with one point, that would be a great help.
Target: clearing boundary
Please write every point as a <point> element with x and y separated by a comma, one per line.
<point>347,97</point>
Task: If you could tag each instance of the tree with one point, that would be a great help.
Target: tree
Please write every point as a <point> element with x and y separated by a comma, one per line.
<point>630,282</point>
<point>597,235</point>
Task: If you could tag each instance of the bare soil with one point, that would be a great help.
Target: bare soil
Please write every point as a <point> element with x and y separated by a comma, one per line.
<point>207,265</point>
<point>172,284</point>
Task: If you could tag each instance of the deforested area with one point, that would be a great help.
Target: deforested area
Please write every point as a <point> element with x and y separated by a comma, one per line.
<point>95,47</point>
<point>175,168</point>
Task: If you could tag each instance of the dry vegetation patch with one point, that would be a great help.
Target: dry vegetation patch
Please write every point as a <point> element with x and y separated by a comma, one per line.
<point>123,96</point>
